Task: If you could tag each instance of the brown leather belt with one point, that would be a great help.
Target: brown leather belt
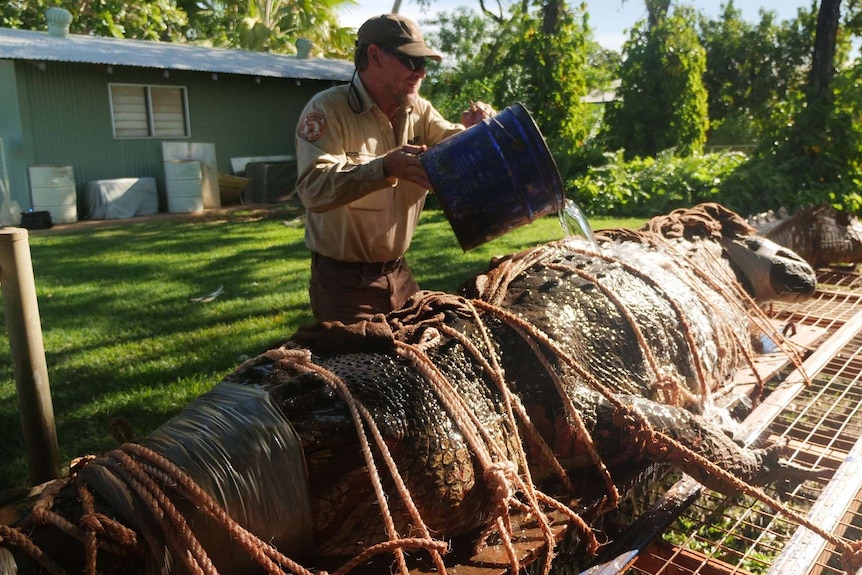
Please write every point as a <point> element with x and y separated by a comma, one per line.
<point>378,268</point>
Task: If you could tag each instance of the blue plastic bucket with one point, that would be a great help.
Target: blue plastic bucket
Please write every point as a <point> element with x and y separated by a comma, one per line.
<point>494,177</point>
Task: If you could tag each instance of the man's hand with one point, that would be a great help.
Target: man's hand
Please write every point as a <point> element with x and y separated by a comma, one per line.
<point>403,163</point>
<point>477,112</point>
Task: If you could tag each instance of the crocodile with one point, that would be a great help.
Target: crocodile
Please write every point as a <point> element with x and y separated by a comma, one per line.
<point>820,234</point>
<point>550,381</point>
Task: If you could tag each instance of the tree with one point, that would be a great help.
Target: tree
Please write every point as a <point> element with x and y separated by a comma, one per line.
<point>23,15</point>
<point>822,149</point>
<point>825,48</point>
<point>151,20</point>
<point>514,59</point>
<point>816,156</point>
<point>662,102</point>
<point>464,38</point>
<point>813,135</point>
<point>263,25</point>
<point>275,25</point>
<point>751,70</point>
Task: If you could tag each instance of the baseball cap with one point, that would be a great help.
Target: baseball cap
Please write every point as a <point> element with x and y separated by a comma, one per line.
<point>396,32</point>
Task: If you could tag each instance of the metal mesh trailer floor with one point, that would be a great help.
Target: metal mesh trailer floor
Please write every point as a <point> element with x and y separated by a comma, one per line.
<point>817,412</point>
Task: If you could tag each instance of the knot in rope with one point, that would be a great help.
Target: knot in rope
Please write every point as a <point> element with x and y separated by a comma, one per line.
<point>500,476</point>
<point>851,557</point>
<point>667,387</point>
<point>631,423</point>
<point>428,339</point>
<point>91,522</point>
<point>283,354</point>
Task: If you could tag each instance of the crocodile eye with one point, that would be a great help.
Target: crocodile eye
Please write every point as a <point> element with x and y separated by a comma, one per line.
<point>789,254</point>
<point>754,244</point>
<point>768,248</point>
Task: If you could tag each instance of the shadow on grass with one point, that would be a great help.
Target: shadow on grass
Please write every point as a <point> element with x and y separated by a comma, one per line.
<point>122,338</point>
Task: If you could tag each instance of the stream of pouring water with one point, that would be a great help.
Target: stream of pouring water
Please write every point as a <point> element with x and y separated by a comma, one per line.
<point>574,223</point>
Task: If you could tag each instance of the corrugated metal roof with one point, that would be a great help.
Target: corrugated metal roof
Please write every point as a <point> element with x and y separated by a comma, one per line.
<point>42,46</point>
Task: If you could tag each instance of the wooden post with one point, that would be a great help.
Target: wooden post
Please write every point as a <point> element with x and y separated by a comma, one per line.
<point>28,355</point>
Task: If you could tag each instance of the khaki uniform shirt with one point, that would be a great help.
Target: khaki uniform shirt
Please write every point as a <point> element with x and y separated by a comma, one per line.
<point>354,213</point>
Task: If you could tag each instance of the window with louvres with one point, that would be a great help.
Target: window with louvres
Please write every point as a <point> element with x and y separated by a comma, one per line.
<point>140,111</point>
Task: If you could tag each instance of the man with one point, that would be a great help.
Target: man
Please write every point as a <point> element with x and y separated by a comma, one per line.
<point>360,178</point>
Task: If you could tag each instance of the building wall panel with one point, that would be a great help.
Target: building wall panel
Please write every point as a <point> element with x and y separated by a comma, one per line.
<point>66,118</point>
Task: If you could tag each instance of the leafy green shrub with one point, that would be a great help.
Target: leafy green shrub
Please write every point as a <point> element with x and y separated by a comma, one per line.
<point>644,187</point>
<point>661,101</point>
<point>811,155</point>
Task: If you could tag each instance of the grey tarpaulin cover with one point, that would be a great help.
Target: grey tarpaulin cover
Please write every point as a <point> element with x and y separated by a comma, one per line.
<point>121,198</point>
<point>239,448</point>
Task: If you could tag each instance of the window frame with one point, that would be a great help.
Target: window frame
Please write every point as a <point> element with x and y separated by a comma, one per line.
<point>151,115</point>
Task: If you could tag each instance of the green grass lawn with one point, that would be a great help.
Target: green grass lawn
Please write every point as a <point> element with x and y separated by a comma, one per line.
<point>123,340</point>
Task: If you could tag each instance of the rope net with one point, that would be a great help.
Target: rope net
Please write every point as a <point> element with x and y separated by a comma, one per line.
<point>413,334</point>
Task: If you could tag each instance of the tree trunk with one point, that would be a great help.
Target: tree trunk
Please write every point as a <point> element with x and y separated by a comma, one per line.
<point>552,12</point>
<point>823,57</point>
<point>657,10</point>
<point>814,139</point>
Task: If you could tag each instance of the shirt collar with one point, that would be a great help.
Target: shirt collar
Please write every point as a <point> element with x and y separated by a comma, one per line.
<point>367,102</point>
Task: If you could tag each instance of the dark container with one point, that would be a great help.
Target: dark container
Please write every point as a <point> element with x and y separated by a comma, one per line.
<point>36,220</point>
<point>494,177</point>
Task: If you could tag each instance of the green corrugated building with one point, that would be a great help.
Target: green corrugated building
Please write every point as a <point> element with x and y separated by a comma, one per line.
<point>105,108</point>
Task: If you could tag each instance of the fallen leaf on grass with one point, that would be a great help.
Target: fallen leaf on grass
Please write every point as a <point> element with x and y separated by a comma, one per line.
<point>209,297</point>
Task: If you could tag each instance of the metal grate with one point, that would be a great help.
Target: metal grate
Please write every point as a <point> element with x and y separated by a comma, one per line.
<point>836,301</point>
<point>821,422</point>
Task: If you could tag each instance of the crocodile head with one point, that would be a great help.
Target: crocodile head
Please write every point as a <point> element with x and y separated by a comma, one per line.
<point>769,271</point>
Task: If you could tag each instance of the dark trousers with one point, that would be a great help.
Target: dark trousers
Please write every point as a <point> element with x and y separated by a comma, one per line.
<point>352,291</point>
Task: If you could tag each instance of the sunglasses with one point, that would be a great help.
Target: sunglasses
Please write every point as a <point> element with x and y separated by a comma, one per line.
<point>412,63</point>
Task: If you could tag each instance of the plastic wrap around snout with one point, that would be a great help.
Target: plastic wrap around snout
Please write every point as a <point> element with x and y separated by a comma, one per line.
<point>241,450</point>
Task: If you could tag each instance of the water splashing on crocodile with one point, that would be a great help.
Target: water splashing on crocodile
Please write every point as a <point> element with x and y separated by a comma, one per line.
<point>574,223</point>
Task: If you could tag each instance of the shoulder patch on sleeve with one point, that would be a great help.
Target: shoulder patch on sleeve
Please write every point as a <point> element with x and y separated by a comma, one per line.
<point>313,126</point>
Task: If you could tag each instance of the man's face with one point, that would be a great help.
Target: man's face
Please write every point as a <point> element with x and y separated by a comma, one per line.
<point>401,75</point>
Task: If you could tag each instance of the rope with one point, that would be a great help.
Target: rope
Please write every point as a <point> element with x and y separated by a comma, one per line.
<point>361,417</point>
<point>658,442</point>
<point>536,336</point>
<point>742,301</point>
<point>178,535</point>
<point>661,380</point>
<point>527,485</point>
<point>535,438</point>
<point>413,333</point>
<point>674,226</point>
<point>687,330</point>
<point>630,421</point>
<point>436,547</point>
<point>163,469</point>
<point>17,538</point>
<point>91,526</point>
